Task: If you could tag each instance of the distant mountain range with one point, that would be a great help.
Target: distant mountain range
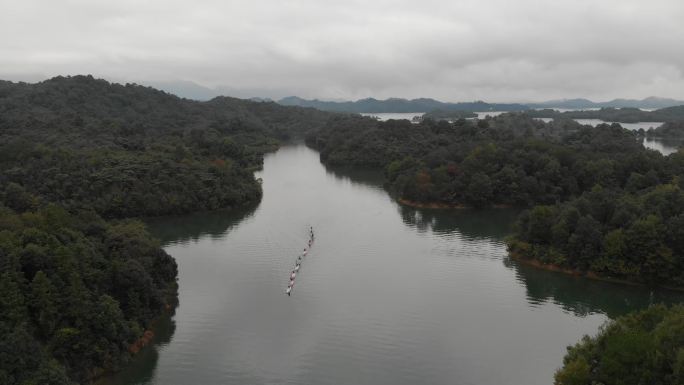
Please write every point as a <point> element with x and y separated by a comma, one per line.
<point>400,105</point>
<point>651,102</point>
<point>428,105</point>
<point>191,90</point>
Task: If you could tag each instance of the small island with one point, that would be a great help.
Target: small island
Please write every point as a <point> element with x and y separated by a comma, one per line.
<point>610,114</point>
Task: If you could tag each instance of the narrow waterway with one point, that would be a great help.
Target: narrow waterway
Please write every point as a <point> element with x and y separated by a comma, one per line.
<point>387,295</point>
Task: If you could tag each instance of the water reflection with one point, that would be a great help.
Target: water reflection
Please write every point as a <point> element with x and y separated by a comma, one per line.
<point>365,176</point>
<point>577,295</point>
<point>582,296</point>
<point>143,366</point>
<point>471,223</point>
<point>664,146</point>
<point>192,227</point>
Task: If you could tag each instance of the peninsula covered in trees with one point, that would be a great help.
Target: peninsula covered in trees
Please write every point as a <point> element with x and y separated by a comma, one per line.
<point>599,204</point>
<point>128,150</point>
<point>509,160</point>
<point>80,284</point>
<point>606,204</point>
<point>622,115</point>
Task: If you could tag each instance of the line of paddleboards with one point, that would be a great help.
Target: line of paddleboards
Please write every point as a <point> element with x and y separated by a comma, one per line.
<point>298,263</point>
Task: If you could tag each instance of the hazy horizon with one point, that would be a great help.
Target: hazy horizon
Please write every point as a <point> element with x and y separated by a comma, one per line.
<point>497,51</point>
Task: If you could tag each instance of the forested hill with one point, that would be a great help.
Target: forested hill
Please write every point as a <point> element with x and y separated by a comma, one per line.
<point>83,106</point>
<point>399,105</point>
<point>649,102</point>
<point>510,159</point>
<point>128,150</point>
<point>372,105</point>
<point>77,292</point>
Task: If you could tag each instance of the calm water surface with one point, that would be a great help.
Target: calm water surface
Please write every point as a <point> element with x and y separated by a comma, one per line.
<point>384,116</point>
<point>387,295</point>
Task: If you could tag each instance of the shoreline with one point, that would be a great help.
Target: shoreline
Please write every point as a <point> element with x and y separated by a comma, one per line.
<point>145,340</point>
<point>442,205</point>
<point>430,205</point>
<point>582,274</point>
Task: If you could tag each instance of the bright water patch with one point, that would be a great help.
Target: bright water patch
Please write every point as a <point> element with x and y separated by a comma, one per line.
<point>384,116</point>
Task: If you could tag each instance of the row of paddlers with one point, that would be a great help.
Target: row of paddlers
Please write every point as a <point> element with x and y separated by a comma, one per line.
<point>298,263</point>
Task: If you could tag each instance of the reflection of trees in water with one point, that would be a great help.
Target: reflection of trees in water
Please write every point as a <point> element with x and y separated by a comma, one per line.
<point>143,365</point>
<point>365,176</point>
<point>192,227</point>
<point>580,296</point>
<point>471,223</point>
<point>665,145</point>
<point>583,296</point>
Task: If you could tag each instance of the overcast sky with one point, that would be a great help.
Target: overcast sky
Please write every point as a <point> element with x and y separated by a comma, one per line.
<point>453,50</point>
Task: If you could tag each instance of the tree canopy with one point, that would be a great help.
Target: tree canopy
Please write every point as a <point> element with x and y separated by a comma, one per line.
<point>646,347</point>
<point>77,292</point>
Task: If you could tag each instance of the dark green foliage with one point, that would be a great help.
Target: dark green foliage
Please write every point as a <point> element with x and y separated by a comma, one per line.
<point>509,160</point>
<point>645,347</point>
<point>75,291</point>
<point>615,233</point>
<point>133,151</point>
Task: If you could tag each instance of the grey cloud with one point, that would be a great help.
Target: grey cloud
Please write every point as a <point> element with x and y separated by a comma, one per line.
<point>497,50</point>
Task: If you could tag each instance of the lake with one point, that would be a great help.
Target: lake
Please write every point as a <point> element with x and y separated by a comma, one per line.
<point>384,116</point>
<point>387,295</point>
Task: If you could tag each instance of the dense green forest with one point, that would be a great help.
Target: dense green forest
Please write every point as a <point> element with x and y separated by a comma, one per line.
<point>509,160</point>
<point>75,290</point>
<point>623,115</point>
<point>128,150</point>
<point>636,233</point>
<point>645,347</point>
<point>78,291</point>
